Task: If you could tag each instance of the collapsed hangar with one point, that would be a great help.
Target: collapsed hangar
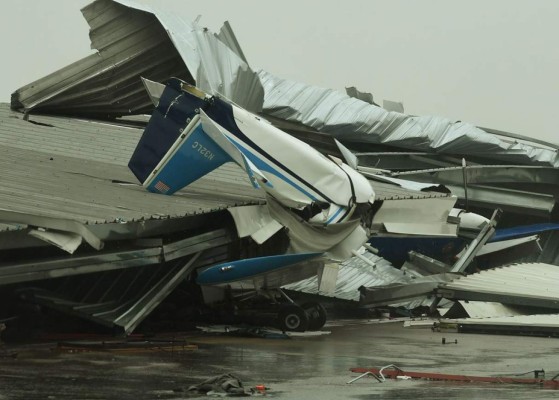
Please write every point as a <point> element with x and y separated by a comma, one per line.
<point>80,235</point>
<point>68,137</point>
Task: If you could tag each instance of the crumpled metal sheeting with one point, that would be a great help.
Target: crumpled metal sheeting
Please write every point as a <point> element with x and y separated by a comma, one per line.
<point>131,44</point>
<point>347,118</point>
<point>354,273</point>
<point>135,41</point>
<point>216,68</point>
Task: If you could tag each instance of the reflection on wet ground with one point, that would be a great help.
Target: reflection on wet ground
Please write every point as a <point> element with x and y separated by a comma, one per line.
<point>302,367</point>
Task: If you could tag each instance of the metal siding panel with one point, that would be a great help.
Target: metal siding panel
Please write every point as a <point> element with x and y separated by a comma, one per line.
<point>530,280</point>
<point>141,41</point>
<point>72,170</point>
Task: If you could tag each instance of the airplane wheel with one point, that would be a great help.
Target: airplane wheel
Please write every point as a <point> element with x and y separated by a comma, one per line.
<point>293,318</point>
<point>317,315</point>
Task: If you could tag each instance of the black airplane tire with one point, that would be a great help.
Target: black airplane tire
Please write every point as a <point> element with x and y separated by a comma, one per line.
<point>293,318</point>
<point>316,314</point>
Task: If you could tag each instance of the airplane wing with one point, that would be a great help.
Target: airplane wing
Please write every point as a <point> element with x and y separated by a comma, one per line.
<point>262,272</point>
<point>522,231</point>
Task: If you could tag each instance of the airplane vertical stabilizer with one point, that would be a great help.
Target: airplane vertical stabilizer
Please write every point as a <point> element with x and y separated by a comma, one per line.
<point>193,155</point>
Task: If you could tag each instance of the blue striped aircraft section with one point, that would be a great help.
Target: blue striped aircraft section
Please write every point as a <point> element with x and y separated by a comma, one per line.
<point>166,124</point>
<point>521,231</point>
<point>195,156</point>
<point>246,269</point>
<point>191,134</point>
<point>396,248</point>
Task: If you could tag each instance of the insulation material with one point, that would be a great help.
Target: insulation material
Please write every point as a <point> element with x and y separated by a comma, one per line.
<point>254,221</point>
<point>338,240</point>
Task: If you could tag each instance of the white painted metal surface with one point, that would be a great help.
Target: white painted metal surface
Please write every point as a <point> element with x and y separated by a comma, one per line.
<point>487,309</point>
<point>417,217</point>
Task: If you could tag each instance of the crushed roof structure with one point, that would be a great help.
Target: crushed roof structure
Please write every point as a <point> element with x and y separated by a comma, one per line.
<point>65,149</point>
<point>367,270</point>
<point>529,284</point>
<point>352,120</point>
<point>66,178</point>
<point>132,41</point>
<point>77,169</point>
<point>352,274</point>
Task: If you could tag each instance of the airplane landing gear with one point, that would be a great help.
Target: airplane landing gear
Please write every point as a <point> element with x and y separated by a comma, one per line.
<point>311,316</point>
<point>316,315</point>
<point>292,317</point>
<point>274,307</point>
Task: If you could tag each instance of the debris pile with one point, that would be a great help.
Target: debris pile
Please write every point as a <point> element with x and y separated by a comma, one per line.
<point>385,209</point>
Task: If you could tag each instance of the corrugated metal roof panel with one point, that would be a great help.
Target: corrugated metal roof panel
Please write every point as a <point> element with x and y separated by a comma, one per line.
<point>131,44</point>
<point>388,191</point>
<point>137,41</point>
<point>84,139</point>
<point>352,274</point>
<point>350,119</point>
<point>77,169</point>
<point>534,280</point>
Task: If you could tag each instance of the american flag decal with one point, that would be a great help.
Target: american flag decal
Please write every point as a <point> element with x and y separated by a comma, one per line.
<point>161,187</point>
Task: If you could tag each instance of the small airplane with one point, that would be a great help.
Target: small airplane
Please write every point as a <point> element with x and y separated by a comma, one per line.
<point>315,196</point>
<point>190,134</point>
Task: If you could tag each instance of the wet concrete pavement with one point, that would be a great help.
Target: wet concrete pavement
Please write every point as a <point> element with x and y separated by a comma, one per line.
<point>298,368</point>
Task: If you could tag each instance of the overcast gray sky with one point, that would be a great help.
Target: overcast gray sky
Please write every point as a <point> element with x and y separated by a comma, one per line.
<point>491,63</point>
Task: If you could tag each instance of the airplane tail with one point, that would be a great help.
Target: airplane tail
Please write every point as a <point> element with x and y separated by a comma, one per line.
<point>193,155</point>
<point>170,117</point>
<point>181,144</point>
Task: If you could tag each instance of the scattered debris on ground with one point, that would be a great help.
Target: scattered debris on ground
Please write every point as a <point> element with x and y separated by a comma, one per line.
<point>226,385</point>
<point>127,347</point>
<point>257,332</point>
<point>394,372</point>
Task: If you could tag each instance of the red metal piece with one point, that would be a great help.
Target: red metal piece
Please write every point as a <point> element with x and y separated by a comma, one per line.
<point>393,373</point>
